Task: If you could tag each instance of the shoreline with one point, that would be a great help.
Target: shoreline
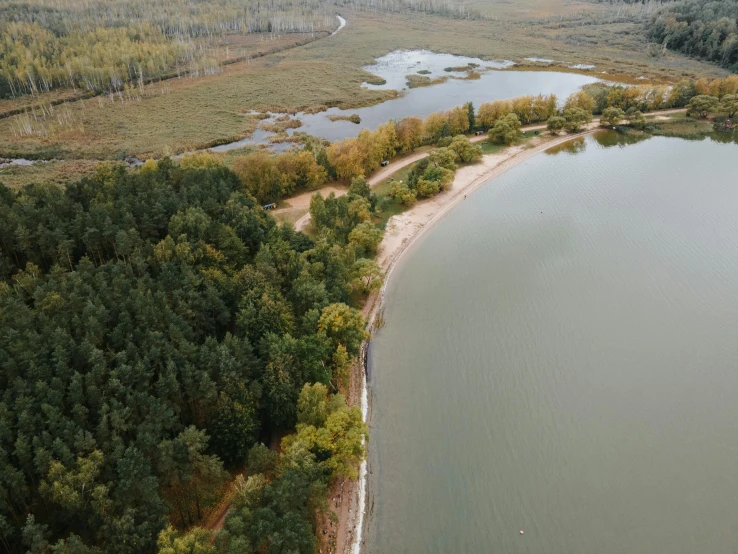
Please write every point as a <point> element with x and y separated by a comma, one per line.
<point>402,233</point>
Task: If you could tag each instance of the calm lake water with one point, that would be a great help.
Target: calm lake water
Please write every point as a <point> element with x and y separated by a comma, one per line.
<point>560,355</point>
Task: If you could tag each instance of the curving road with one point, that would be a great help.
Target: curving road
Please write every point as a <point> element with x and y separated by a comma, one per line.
<point>341,25</point>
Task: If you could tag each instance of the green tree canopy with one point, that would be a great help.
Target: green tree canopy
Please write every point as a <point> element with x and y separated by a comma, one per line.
<point>703,105</point>
<point>506,129</point>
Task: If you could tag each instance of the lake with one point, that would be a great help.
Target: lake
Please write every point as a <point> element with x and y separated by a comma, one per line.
<point>560,356</point>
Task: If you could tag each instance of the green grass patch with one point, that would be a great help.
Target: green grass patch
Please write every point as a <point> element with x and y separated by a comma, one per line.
<point>386,208</point>
<point>489,147</point>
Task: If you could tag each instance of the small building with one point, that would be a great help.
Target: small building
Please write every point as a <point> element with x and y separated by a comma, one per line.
<point>270,206</point>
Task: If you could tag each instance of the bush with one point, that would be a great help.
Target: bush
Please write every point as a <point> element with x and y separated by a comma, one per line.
<point>555,124</point>
<point>505,129</point>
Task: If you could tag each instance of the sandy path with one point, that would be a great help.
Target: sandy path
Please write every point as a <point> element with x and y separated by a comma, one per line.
<point>302,201</point>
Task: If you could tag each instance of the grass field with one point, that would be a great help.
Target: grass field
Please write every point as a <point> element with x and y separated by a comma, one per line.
<point>185,114</point>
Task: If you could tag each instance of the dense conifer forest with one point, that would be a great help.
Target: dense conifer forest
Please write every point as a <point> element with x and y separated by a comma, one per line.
<point>155,328</point>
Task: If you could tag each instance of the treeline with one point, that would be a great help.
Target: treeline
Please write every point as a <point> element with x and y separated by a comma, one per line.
<point>445,8</point>
<point>156,326</point>
<point>700,29</point>
<point>102,45</point>
<point>648,97</point>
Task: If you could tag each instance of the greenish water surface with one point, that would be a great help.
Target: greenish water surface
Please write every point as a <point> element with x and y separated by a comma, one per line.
<point>560,355</point>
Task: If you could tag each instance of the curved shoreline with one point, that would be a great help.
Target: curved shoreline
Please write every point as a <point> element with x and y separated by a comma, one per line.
<point>391,252</point>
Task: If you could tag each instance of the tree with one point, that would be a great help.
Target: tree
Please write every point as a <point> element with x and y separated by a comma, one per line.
<point>77,488</point>
<point>612,116</point>
<point>443,157</point>
<point>580,100</point>
<point>194,541</point>
<point>471,116</point>
<point>523,108</point>
<point>636,119</point>
<point>703,105</point>
<point>360,187</point>
<point>490,112</point>
<point>201,160</point>
<point>544,107</point>
<point>318,211</point>
<point>329,426</point>
<point>576,118</point>
<point>729,105</point>
<point>465,150</point>
<point>341,364</point>
<point>314,406</point>
<point>190,475</point>
<point>365,237</point>
<point>341,324</point>
<point>625,98</point>
<point>299,171</point>
<point>261,460</point>
<point>681,93</point>
<point>368,276</point>
<point>235,423</point>
<point>409,133</point>
<point>555,124</point>
<point>433,126</point>
<point>506,129</point>
<point>402,192</point>
<point>259,174</point>
<point>458,120</point>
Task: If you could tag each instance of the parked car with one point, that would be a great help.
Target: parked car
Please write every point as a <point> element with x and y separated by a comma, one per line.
<point>269,206</point>
<point>385,163</point>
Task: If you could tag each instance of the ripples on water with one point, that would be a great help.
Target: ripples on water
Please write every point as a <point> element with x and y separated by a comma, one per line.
<point>559,356</point>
